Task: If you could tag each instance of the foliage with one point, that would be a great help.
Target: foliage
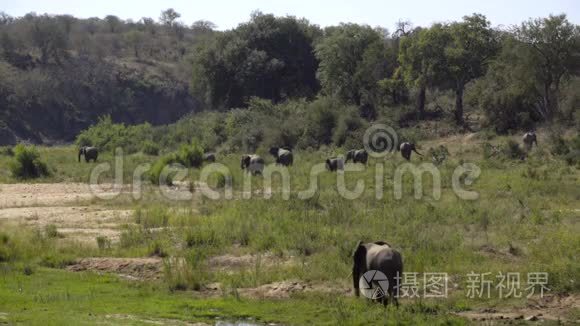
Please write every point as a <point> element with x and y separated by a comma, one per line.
<point>27,164</point>
<point>268,57</point>
<point>191,155</point>
<point>512,150</point>
<point>155,173</point>
<point>553,44</point>
<point>107,136</point>
<point>150,148</point>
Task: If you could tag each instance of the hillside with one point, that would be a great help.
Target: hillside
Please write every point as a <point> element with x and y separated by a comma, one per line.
<point>59,74</point>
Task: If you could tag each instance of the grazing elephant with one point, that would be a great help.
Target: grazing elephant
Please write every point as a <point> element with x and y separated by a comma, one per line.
<point>357,156</point>
<point>406,149</point>
<point>283,155</point>
<point>209,157</point>
<point>529,140</point>
<point>378,256</point>
<point>252,163</point>
<point>335,163</point>
<point>90,153</point>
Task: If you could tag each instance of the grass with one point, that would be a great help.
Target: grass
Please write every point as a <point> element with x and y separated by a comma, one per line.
<point>525,220</point>
<point>60,297</point>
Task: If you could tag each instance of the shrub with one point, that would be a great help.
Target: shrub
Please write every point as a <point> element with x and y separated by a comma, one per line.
<point>6,151</point>
<point>191,155</point>
<point>27,163</point>
<point>150,148</point>
<point>157,169</point>
<point>107,136</point>
<point>558,145</point>
<point>103,242</point>
<point>51,231</point>
<point>512,150</point>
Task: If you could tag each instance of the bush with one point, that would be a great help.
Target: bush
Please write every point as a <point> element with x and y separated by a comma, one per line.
<point>150,148</point>
<point>191,155</point>
<point>51,231</point>
<point>559,146</point>
<point>512,150</point>
<point>6,151</point>
<point>27,163</point>
<point>103,242</point>
<point>107,136</point>
<point>160,164</point>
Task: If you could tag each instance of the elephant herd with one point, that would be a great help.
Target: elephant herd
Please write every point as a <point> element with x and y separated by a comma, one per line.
<point>361,156</point>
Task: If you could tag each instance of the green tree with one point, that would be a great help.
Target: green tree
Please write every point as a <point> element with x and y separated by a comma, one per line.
<point>553,42</point>
<point>352,61</point>
<point>49,37</point>
<point>169,16</point>
<point>423,61</point>
<point>473,44</point>
<point>268,57</point>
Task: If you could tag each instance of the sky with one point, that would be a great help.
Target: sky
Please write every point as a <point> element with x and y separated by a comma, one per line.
<point>227,14</point>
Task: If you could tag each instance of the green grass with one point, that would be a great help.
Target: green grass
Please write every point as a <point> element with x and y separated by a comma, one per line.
<point>529,208</point>
<point>57,297</point>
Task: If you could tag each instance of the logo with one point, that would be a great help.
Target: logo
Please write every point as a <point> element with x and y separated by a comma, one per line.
<point>379,140</point>
<point>374,284</point>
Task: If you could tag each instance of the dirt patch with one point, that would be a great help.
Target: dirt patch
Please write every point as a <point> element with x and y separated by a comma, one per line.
<point>550,307</point>
<point>51,194</point>
<point>131,268</point>
<point>60,204</point>
<point>229,262</point>
<point>508,254</point>
<point>276,290</point>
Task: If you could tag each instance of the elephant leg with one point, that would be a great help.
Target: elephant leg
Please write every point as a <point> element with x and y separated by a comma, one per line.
<point>393,296</point>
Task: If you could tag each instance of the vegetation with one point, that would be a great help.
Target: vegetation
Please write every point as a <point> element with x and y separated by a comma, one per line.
<point>282,81</point>
<point>524,221</point>
<point>156,72</point>
<point>27,163</point>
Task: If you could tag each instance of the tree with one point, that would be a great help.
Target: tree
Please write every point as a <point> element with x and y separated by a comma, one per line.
<point>135,38</point>
<point>49,37</point>
<point>114,23</point>
<point>168,17</point>
<point>553,42</point>
<point>507,94</point>
<point>268,57</point>
<point>352,61</point>
<point>423,61</point>
<point>203,26</point>
<point>473,44</point>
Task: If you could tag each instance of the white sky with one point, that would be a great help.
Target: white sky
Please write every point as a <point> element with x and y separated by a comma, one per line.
<point>228,14</point>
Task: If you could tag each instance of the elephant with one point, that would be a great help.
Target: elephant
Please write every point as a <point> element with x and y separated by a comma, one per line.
<point>283,155</point>
<point>209,157</point>
<point>357,156</point>
<point>90,153</point>
<point>406,149</point>
<point>378,256</point>
<point>335,163</point>
<point>252,163</point>
<point>529,140</point>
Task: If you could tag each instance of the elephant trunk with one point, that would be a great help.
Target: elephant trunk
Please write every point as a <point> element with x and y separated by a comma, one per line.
<point>414,150</point>
<point>80,153</point>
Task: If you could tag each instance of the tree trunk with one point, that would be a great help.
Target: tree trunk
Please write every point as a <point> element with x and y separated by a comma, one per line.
<point>459,104</point>
<point>548,105</point>
<point>421,102</point>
